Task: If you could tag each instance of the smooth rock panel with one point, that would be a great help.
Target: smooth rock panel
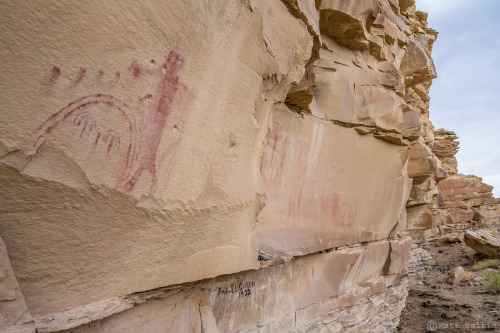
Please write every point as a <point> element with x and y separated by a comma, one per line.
<point>104,243</point>
<point>322,188</point>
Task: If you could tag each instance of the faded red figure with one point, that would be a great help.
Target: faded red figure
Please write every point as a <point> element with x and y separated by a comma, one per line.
<point>100,127</point>
<point>154,120</point>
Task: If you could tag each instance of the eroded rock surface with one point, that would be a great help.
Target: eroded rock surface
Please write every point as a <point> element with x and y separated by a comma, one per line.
<point>445,147</point>
<point>419,262</point>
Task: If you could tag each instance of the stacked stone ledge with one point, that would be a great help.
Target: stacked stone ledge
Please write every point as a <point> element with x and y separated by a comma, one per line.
<point>453,203</point>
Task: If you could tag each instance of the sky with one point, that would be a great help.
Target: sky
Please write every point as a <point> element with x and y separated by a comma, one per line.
<point>465,98</point>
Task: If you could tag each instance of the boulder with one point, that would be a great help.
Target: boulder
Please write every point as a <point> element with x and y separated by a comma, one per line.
<point>483,242</point>
<point>457,275</point>
<point>451,239</point>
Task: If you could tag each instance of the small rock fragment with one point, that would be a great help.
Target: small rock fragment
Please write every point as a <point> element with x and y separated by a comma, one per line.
<point>456,275</point>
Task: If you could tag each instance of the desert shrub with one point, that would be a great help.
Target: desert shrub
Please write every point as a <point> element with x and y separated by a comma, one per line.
<point>485,264</point>
<point>493,282</point>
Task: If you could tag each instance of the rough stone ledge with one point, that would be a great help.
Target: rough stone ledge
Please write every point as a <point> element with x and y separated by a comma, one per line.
<point>390,136</point>
<point>361,128</point>
<point>95,311</point>
<point>363,291</point>
<point>378,312</point>
<point>267,259</point>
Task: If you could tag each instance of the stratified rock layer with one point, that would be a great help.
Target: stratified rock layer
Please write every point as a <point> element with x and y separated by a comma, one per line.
<point>289,297</point>
<point>445,147</point>
<point>14,315</point>
<point>418,263</point>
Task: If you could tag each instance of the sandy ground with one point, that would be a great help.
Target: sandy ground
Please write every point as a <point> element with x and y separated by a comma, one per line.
<point>436,306</point>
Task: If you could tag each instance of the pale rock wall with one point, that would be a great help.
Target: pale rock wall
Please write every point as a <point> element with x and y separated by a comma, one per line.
<point>316,169</point>
<point>220,166</point>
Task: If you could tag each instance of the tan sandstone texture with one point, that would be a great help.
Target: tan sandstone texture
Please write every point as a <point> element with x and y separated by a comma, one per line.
<point>218,166</point>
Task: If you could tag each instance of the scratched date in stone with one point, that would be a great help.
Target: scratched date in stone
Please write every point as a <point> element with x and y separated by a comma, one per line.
<point>243,289</point>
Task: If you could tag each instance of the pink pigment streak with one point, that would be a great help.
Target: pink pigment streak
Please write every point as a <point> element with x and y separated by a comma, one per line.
<point>79,78</point>
<point>115,80</point>
<point>99,77</point>
<point>299,190</point>
<point>50,80</point>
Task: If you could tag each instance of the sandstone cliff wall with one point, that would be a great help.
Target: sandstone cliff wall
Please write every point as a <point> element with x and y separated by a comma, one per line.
<point>441,200</point>
<point>220,166</point>
<point>451,203</point>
